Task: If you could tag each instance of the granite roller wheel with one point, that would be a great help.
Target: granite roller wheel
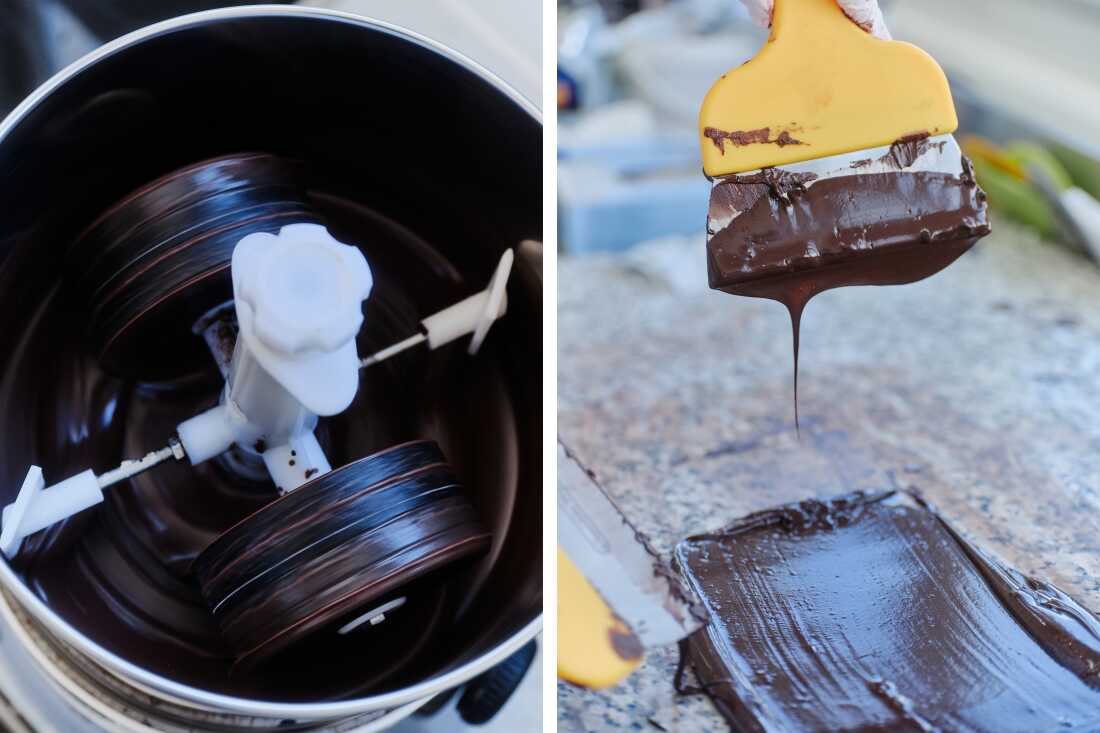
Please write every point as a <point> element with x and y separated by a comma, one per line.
<point>183,189</point>
<point>327,554</point>
<point>158,260</point>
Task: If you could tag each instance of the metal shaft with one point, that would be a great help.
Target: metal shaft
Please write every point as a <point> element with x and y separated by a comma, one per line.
<point>129,468</point>
<point>389,351</point>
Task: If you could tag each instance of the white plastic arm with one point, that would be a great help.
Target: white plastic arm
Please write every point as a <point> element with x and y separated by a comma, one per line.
<point>38,506</point>
<point>474,314</point>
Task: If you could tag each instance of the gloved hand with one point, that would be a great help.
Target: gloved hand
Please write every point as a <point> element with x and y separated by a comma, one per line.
<point>864,13</point>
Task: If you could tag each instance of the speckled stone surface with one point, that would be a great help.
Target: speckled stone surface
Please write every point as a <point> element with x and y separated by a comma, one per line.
<point>980,387</point>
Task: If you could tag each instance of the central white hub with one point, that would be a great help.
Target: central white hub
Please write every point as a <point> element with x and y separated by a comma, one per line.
<point>299,307</point>
<point>298,297</point>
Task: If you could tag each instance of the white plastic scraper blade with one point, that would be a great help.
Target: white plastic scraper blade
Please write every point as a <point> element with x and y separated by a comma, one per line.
<point>607,550</point>
<point>939,154</point>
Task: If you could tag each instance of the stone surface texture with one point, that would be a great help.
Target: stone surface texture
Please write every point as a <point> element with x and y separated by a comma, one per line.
<point>979,387</point>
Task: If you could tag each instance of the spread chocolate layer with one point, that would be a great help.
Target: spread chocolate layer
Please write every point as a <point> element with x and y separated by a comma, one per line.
<point>787,237</point>
<point>870,613</point>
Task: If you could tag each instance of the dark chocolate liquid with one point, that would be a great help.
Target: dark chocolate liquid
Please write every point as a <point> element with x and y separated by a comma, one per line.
<point>795,238</point>
<point>870,613</point>
<point>121,572</point>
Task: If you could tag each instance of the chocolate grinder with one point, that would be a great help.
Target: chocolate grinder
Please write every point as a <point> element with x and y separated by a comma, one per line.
<point>290,257</point>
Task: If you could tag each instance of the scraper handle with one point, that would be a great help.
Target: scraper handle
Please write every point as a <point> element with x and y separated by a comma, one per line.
<point>586,629</point>
<point>820,86</point>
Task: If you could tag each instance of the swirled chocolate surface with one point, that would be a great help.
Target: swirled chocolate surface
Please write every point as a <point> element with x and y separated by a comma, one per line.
<point>121,573</point>
<point>158,260</point>
<point>871,613</point>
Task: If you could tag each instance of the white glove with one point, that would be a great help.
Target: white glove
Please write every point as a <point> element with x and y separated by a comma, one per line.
<point>864,13</point>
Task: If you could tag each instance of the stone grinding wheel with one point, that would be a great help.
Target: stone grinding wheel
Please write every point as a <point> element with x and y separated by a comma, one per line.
<point>337,547</point>
<point>154,263</point>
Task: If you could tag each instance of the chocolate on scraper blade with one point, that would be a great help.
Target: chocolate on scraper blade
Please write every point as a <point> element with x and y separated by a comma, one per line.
<point>793,238</point>
<point>870,613</point>
<point>885,216</point>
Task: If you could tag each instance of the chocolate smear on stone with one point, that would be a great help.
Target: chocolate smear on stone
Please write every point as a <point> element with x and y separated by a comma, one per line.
<point>869,612</point>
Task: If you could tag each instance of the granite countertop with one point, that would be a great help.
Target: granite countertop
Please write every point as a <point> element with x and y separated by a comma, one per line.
<point>978,386</point>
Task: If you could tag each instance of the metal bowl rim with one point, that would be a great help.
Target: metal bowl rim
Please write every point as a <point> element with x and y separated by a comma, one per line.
<point>111,661</point>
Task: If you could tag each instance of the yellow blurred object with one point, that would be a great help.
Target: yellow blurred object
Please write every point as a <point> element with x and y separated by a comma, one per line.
<point>820,86</point>
<point>595,648</point>
<point>1006,173</point>
<point>977,147</point>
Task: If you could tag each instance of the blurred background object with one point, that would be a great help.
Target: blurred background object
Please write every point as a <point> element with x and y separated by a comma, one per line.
<point>632,74</point>
<point>504,36</point>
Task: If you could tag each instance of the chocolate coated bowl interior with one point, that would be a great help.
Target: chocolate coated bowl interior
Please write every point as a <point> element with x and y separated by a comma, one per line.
<point>432,228</point>
<point>157,261</point>
<point>187,190</point>
<point>870,613</point>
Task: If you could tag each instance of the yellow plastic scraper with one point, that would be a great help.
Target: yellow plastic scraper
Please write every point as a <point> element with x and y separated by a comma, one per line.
<point>819,87</point>
<point>824,100</point>
<point>615,598</point>
<point>832,163</point>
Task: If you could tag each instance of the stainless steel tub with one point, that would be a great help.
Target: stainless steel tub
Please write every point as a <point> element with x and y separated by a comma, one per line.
<point>379,113</point>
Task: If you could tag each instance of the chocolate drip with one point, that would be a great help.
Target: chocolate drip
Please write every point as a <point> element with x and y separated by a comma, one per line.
<point>789,238</point>
<point>795,310</point>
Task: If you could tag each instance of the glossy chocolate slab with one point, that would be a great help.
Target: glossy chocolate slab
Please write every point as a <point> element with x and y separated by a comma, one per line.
<point>870,613</point>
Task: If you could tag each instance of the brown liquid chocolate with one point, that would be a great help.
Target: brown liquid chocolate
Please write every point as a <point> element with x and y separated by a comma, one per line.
<point>796,237</point>
<point>870,613</point>
<point>121,573</point>
<point>742,138</point>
